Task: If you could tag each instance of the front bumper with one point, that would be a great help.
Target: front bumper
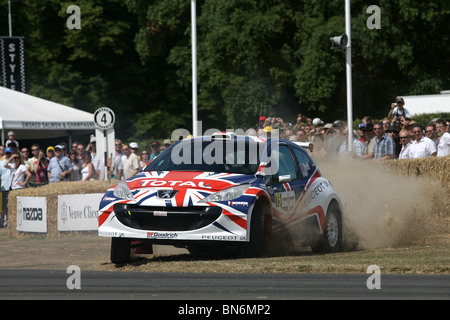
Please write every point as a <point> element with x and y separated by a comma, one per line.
<point>175,224</point>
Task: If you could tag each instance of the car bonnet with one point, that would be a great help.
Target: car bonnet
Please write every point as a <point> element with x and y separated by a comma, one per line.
<point>176,180</point>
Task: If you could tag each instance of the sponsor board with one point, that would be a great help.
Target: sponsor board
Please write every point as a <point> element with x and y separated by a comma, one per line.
<point>78,212</point>
<point>13,63</point>
<point>32,214</point>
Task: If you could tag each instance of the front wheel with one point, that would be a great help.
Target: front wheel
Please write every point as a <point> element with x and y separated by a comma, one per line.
<point>256,246</point>
<point>331,240</point>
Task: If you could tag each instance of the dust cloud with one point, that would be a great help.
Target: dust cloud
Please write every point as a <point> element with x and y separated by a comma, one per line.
<point>382,208</point>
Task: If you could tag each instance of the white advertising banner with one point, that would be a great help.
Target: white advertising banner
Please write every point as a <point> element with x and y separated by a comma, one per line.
<point>78,212</point>
<point>32,214</point>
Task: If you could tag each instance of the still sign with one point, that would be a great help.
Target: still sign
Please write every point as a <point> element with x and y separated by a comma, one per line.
<point>104,119</point>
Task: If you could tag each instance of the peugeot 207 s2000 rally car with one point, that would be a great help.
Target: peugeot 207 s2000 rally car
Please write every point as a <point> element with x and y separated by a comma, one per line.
<point>220,193</point>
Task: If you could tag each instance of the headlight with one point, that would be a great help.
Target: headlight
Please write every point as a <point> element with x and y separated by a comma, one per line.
<point>227,194</point>
<point>122,191</point>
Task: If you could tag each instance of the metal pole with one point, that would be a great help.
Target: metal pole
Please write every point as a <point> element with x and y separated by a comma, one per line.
<point>9,18</point>
<point>194,67</point>
<point>348,59</point>
<point>105,143</point>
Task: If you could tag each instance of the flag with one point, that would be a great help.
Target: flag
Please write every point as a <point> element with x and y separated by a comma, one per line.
<point>13,63</point>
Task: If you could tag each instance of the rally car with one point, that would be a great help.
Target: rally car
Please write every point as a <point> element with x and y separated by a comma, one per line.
<point>223,193</point>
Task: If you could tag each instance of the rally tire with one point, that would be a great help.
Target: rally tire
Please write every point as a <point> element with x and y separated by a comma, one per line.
<point>331,240</point>
<point>256,246</point>
<point>120,250</point>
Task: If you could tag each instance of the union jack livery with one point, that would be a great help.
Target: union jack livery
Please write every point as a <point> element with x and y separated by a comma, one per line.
<point>223,194</point>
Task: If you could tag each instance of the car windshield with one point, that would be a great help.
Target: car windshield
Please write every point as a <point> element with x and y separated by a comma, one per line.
<point>204,154</point>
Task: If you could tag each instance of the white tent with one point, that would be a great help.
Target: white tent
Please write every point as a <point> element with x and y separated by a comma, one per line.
<point>35,118</point>
<point>436,103</point>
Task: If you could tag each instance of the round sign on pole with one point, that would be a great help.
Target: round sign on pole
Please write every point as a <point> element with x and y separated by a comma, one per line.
<point>104,118</point>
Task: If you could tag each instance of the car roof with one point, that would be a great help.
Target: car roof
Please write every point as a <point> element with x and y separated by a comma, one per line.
<point>229,136</point>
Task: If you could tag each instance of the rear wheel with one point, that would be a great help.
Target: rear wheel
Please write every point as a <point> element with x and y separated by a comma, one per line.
<point>331,240</point>
<point>120,250</point>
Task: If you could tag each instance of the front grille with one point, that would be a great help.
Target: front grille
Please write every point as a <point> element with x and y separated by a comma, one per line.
<point>166,218</point>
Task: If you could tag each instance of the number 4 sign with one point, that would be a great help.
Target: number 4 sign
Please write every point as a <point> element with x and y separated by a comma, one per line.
<point>104,118</point>
<point>104,123</point>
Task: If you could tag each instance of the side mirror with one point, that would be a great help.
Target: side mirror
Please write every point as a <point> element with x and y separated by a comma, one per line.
<point>284,178</point>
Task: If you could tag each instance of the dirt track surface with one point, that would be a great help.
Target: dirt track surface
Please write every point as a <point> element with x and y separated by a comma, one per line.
<point>86,250</point>
<point>91,253</point>
<point>401,223</point>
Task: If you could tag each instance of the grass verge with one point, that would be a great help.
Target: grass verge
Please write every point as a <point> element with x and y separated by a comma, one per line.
<point>414,259</point>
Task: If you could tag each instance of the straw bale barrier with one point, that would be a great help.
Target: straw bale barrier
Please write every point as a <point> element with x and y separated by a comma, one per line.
<point>437,169</point>
<point>51,192</point>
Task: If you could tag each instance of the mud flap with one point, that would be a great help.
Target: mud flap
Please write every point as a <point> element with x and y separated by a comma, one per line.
<point>139,247</point>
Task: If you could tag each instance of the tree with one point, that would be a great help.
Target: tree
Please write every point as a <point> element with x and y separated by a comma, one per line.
<point>87,68</point>
<point>254,57</point>
<point>404,57</point>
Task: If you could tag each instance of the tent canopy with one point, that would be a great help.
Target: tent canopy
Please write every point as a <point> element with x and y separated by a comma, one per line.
<point>435,103</point>
<point>35,118</point>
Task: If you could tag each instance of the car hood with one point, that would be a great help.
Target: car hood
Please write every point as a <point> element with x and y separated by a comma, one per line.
<point>199,180</point>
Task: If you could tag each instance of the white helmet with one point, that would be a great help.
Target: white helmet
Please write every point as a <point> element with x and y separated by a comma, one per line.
<point>317,122</point>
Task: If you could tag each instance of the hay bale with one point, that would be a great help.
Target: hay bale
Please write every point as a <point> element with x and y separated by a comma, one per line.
<point>51,192</point>
<point>436,168</point>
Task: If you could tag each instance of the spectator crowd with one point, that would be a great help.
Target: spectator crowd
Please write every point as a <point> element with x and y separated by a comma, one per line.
<point>21,168</point>
<point>394,137</point>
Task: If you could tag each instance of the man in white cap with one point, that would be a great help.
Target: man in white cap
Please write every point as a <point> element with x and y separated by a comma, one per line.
<point>317,122</point>
<point>398,110</point>
<point>11,139</point>
<point>131,163</point>
<point>59,167</point>
<point>134,147</point>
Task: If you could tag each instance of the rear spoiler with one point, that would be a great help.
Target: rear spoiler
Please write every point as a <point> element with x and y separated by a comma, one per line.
<point>305,145</point>
<point>223,136</point>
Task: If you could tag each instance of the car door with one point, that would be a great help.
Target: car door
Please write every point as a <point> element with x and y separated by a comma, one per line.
<point>306,166</point>
<point>285,182</point>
